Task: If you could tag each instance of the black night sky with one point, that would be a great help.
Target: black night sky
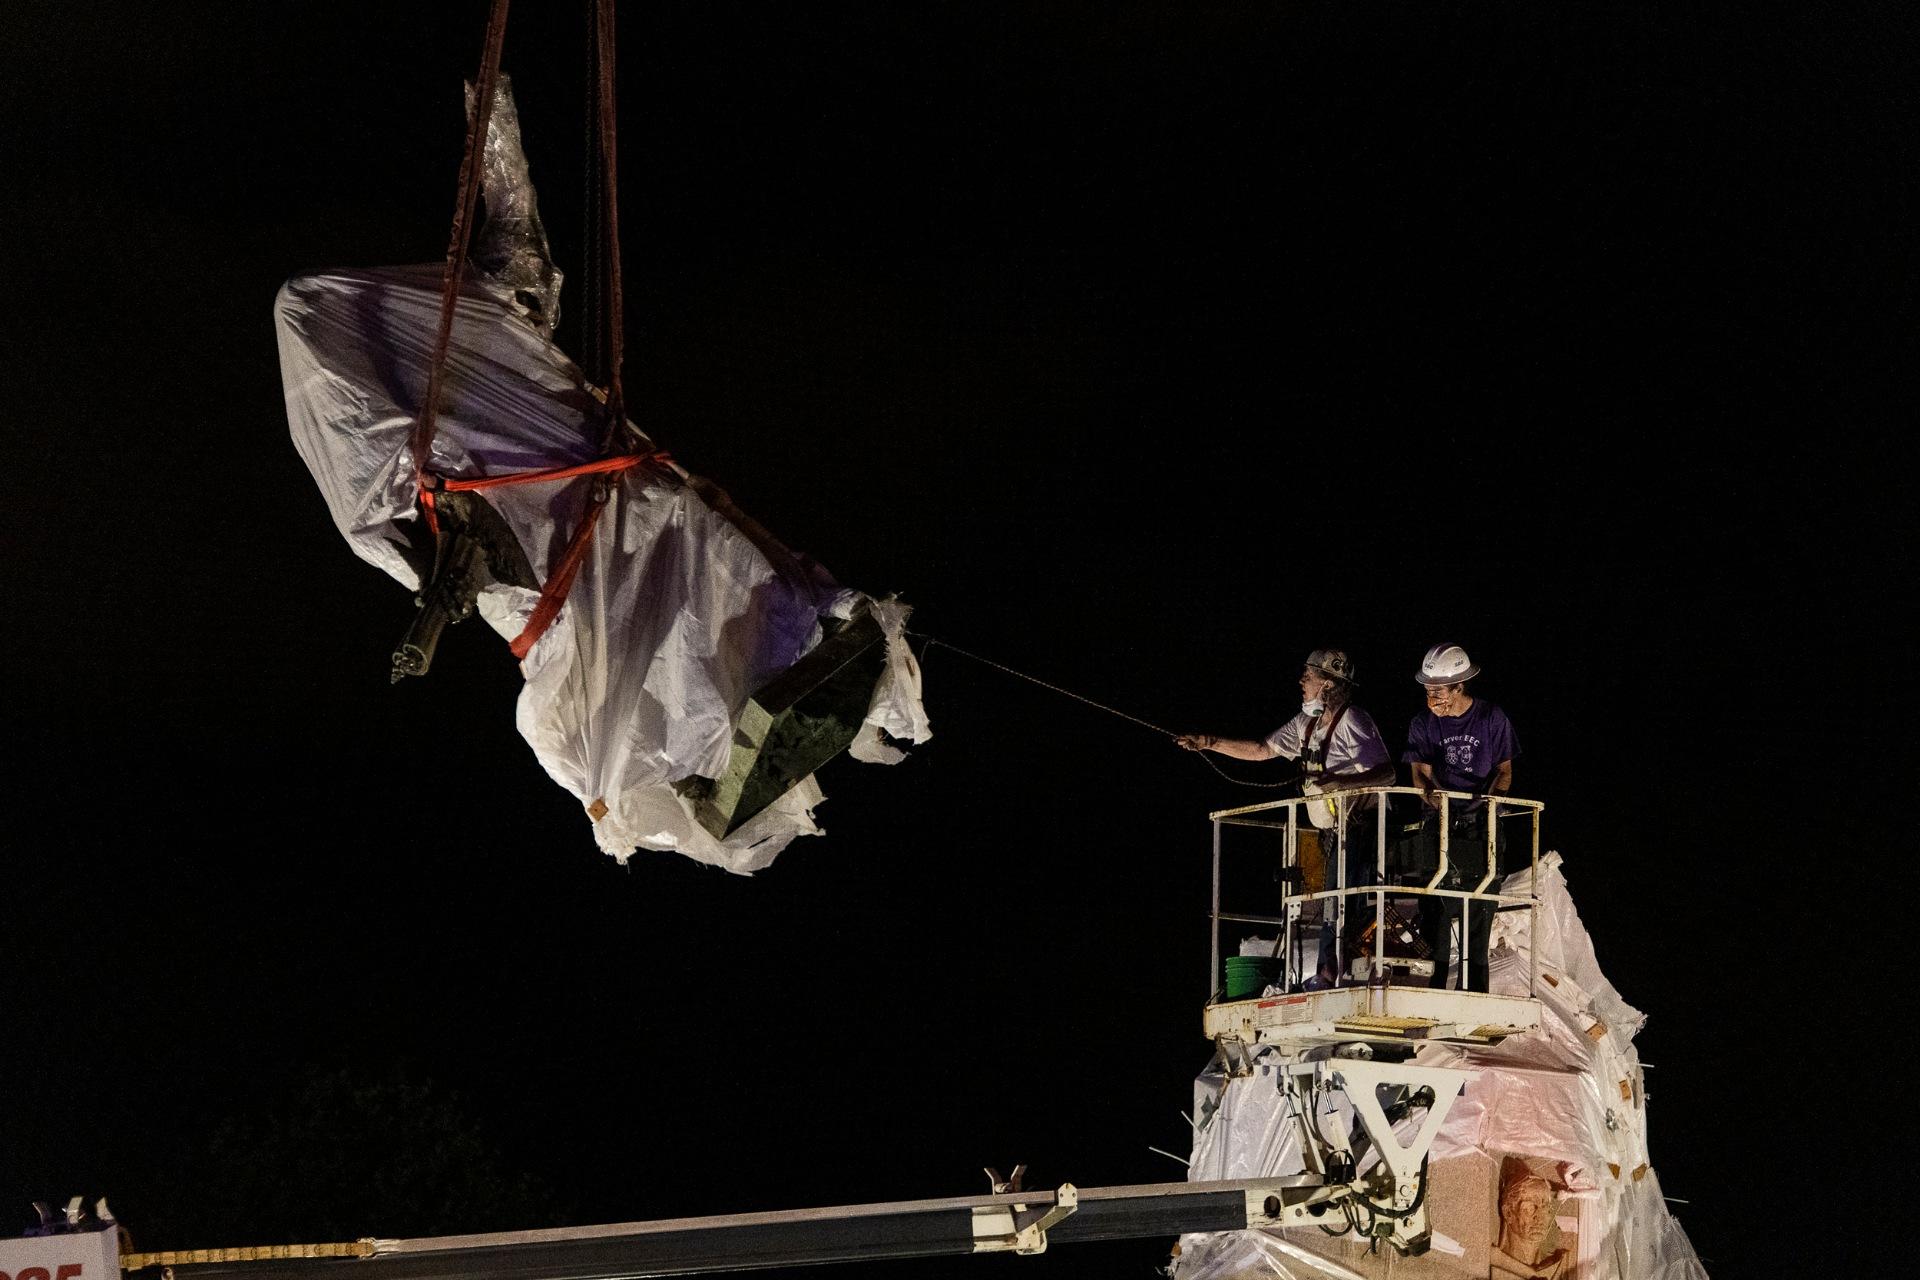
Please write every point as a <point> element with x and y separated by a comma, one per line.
<point>1140,346</point>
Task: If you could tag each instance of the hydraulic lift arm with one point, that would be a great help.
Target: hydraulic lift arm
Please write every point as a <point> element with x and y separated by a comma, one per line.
<point>1013,1221</point>
<point>1369,1180</point>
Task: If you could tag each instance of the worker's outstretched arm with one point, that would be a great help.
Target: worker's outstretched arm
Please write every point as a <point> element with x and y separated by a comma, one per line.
<point>1239,748</point>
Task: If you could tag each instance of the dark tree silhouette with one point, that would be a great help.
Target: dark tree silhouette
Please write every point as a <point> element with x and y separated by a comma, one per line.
<point>339,1156</point>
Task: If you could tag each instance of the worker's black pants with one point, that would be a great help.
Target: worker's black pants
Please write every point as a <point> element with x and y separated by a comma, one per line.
<point>1466,866</point>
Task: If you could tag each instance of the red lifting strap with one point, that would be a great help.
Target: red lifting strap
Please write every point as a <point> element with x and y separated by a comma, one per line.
<point>554,594</point>
<point>560,581</point>
<point>472,161</point>
<point>625,462</point>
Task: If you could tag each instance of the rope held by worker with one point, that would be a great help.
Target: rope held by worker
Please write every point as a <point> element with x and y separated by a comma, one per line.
<point>1099,706</point>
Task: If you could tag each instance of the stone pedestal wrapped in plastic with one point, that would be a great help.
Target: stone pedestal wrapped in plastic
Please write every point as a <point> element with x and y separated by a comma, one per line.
<point>1541,1168</point>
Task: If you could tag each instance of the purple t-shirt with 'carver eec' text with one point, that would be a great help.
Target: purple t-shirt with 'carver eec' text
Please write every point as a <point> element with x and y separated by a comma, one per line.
<point>1463,751</point>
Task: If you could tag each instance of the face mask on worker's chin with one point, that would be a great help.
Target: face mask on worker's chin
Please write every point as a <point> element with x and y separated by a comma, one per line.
<point>1313,706</point>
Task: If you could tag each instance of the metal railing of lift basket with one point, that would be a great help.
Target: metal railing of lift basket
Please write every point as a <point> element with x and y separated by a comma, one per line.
<point>1284,816</point>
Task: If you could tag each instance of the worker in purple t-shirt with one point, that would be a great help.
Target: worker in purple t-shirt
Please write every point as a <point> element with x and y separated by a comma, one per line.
<point>1461,743</point>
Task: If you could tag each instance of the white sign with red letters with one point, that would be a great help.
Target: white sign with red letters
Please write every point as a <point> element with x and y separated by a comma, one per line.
<point>83,1255</point>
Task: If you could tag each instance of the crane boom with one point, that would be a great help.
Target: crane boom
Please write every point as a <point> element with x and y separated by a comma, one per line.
<point>1014,1221</point>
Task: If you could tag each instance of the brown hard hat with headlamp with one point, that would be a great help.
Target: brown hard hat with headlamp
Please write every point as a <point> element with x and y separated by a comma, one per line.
<point>1332,662</point>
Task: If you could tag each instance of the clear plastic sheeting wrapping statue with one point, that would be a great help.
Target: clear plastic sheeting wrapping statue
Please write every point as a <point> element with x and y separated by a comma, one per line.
<point>1540,1168</point>
<point>682,607</point>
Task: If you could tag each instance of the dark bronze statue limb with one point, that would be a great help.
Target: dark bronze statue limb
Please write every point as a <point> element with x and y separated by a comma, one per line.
<point>475,547</point>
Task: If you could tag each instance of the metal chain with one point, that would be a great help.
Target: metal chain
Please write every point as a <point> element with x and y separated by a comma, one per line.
<point>1100,706</point>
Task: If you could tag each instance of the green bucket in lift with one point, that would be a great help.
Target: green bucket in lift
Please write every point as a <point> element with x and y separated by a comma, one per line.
<point>1250,975</point>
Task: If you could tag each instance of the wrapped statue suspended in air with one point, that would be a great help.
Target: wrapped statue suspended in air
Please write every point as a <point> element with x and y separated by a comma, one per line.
<point>685,672</point>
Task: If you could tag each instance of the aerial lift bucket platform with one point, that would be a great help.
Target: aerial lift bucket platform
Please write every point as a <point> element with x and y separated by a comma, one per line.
<point>1369,1007</point>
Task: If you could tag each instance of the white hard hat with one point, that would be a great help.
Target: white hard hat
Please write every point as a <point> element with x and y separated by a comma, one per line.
<point>1446,664</point>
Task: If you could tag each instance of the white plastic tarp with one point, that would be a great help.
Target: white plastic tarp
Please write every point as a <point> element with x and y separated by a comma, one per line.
<point>1567,1100</point>
<point>677,616</point>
